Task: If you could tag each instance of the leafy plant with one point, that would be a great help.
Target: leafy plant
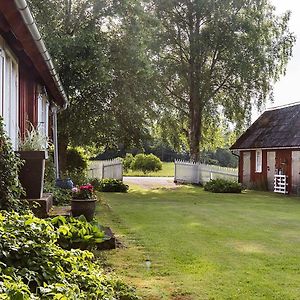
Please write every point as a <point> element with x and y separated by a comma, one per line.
<point>146,163</point>
<point>113,185</point>
<point>32,264</point>
<point>127,161</point>
<point>223,186</point>
<point>61,197</point>
<point>77,232</point>
<point>76,160</point>
<point>10,163</point>
<point>34,140</point>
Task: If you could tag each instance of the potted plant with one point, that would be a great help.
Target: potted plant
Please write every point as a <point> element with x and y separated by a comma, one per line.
<point>83,201</point>
<point>32,149</point>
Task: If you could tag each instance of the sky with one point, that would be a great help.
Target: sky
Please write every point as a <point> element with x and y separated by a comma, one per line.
<point>287,89</point>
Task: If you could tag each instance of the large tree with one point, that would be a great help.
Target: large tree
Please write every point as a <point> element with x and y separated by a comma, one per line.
<point>98,48</point>
<point>217,58</point>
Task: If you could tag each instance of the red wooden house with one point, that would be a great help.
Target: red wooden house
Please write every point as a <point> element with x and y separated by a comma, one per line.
<point>30,90</point>
<point>269,151</point>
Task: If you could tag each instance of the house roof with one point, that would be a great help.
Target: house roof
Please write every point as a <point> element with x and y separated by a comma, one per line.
<point>15,18</point>
<point>276,128</point>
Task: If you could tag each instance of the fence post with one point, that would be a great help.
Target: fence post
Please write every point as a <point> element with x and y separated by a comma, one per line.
<point>102,175</point>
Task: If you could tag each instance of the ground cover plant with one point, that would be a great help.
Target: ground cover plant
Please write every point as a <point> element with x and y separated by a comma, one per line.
<point>223,186</point>
<point>77,232</point>
<point>206,246</point>
<point>111,185</point>
<point>34,266</point>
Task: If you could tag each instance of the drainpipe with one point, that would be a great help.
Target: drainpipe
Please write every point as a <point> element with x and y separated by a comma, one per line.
<point>54,110</point>
<point>31,25</point>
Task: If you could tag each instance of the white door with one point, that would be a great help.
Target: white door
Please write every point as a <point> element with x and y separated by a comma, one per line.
<point>295,171</point>
<point>271,169</point>
<point>246,168</point>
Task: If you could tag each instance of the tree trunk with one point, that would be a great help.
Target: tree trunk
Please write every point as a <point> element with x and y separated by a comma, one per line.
<point>195,133</point>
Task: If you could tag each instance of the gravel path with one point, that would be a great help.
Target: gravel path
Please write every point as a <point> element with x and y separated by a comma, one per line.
<point>151,182</point>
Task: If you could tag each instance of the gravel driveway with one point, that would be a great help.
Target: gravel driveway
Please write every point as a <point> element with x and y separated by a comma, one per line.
<point>151,182</point>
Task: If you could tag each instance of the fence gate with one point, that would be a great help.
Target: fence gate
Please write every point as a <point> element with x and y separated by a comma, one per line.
<point>106,169</point>
<point>190,172</point>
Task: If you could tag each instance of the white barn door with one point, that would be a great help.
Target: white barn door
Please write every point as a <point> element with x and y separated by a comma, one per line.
<point>295,171</point>
<point>246,168</point>
<point>271,169</point>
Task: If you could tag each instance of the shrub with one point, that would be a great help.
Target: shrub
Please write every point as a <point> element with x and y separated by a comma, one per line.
<point>113,185</point>
<point>127,161</point>
<point>10,163</point>
<point>77,232</point>
<point>32,262</point>
<point>76,160</point>
<point>223,186</point>
<point>78,176</point>
<point>146,163</point>
<point>96,183</point>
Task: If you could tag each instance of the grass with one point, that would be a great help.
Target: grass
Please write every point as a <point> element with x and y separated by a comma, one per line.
<point>206,246</point>
<point>167,171</point>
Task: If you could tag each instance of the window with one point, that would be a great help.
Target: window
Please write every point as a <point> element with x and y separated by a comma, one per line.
<point>9,92</point>
<point>258,168</point>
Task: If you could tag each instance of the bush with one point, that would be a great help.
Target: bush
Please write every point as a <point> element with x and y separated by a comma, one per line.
<point>112,185</point>
<point>96,183</point>
<point>146,163</point>
<point>223,186</point>
<point>10,163</point>
<point>34,266</point>
<point>78,176</point>
<point>127,161</point>
<point>76,160</point>
<point>77,232</point>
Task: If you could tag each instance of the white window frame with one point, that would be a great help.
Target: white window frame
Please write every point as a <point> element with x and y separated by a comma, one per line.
<point>258,161</point>
<point>9,92</point>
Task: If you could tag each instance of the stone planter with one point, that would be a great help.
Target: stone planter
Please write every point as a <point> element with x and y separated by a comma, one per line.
<point>32,173</point>
<point>84,207</point>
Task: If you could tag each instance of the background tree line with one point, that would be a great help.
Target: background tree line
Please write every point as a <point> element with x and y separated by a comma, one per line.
<point>185,73</point>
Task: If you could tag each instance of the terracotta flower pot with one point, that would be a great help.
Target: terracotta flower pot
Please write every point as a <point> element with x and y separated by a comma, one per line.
<point>84,207</point>
<point>32,173</point>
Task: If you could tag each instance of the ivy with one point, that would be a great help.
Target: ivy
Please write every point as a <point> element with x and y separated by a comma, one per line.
<point>10,163</point>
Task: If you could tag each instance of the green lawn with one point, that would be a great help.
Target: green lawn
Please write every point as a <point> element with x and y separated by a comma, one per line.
<point>206,246</point>
<point>167,171</point>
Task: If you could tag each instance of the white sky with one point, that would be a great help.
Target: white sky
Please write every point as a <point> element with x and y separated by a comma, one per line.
<point>287,89</point>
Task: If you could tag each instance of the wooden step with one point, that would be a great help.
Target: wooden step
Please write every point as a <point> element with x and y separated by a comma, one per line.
<point>60,211</point>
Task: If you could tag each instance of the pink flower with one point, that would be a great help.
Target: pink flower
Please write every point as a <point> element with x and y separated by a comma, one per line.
<point>75,189</point>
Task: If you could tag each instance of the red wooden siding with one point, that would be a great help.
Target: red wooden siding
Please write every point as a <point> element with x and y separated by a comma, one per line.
<point>27,99</point>
<point>283,161</point>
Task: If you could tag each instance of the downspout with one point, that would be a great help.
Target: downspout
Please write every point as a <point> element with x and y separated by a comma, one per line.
<point>54,110</point>
<point>31,25</point>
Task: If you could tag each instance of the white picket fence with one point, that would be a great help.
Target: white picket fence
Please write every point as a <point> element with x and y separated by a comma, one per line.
<point>106,169</point>
<point>191,172</point>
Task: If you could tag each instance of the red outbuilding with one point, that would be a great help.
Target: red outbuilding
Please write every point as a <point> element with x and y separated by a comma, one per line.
<point>269,151</point>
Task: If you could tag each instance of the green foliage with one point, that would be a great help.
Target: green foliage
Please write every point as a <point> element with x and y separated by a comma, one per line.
<point>127,161</point>
<point>10,163</point>
<point>223,186</point>
<point>96,183</point>
<point>146,163</point>
<point>29,253</point>
<point>34,140</point>
<point>112,185</point>
<point>77,232</point>
<point>76,160</point>
<point>215,58</point>
<point>78,176</point>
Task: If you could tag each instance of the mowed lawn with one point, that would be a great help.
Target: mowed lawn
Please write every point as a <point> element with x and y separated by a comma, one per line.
<point>205,246</point>
<point>168,170</point>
